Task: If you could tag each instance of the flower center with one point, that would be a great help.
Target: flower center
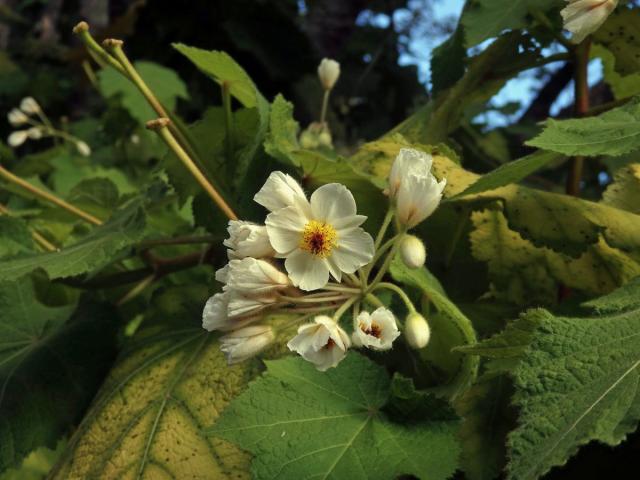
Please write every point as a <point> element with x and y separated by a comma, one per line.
<point>318,238</point>
<point>374,330</point>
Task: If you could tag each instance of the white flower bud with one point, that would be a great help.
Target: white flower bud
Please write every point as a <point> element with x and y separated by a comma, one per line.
<point>247,239</point>
<point>412,251</point>
<point>17,117</point>
<point>34,133</point>
<point>584,17</point>
<point>17,138</point>
<point>416,331</point>
<point>328,72</point>
<point>83,148</point>
<point>29,106</point>
<point>246,342</point>
<point>255,277</point>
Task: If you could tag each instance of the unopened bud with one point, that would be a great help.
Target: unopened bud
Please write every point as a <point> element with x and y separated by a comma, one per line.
<point>17,138</point>
<point>417,331</point>
<point>83,148</point>
<point>246,342</point>
<point>412,251</point>
<point>325,139</point>
<point>29,106</point>
<point>328,72</point>
<point>17,117</point>
<point>309,140</point>
<point>34,133</point>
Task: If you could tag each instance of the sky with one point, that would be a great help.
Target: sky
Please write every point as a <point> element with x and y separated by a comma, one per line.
<point>521,89</point>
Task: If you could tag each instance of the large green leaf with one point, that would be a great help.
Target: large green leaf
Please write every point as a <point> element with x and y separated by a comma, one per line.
<point>100,247</point>
<point>15,237</point>
<point>163,82</point>
<point>462,329</point>
<point>170,382</point>
<point>576,380</point>
<point>301,423</point>
<point>51,362</point>
<point>615,132</point>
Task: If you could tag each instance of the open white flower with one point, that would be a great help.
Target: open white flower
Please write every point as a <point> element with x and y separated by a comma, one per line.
<point>320,237</point>
<point>246,342</point>
<point>322,343</point>
<point>280,191</point>
<point>255,277</point>
<point>17,138</point>
<point>584,17</point>
<point>328,73</point>
<point>414,188</point>
<point>376,331</point>
<point>246,239</point>
<point>17,117</point>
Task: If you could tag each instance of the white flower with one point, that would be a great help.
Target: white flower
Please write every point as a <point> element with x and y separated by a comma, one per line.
<point>416,191</point>
<point>17,138</point>
<point>83,148</point>
<point>255,277</point>
<point>247,239</point>
<point>34,133</point>
<point>246,342</point>
<point>222,274</point>
<point>280,191</point>
<point>376,331</point>
<point>17,117</point>
<point>584,17</point>
<point>230,310</point>
<point>412,251</point>
<point>242,306</point>
<point>322,343</point>
<point>214,315</point>
<point>416,331</point>
<point>328,72</point>
<point>320,237</point>
<point>29,106</point>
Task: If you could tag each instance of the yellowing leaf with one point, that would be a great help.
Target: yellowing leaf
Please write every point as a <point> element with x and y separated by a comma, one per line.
<point>624,192</point>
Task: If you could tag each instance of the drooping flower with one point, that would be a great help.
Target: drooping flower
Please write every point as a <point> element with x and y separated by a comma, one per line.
<point>412,251</point>
<point>322,343</point>
<point>17,117</point>
<point>584,17</point>
<point>320,237</point>
<point>417,331</point>
<point>17,138</point>
<point>29,106</point>
<point>280,191</point>
<point>229,310</point>
<point>328,73</point>
<point>255,277</point>
<point>377,330</point>
<point>246,342</point>
<point>246,239</point>
<point>414,188</point>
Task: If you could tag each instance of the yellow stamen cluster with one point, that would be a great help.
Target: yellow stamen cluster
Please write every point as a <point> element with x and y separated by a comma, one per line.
<point>318,238</point>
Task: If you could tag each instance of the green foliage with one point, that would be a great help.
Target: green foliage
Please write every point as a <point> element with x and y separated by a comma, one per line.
<point>95,251</point>
<point>615,132</point>
<point>15,238</point>
<point>330,422</point>
<point>624,192</point>
<point>51,361</point>
<point>575,380</point>
<point>621,35</point>
<point>163,82</point>
<point>282,138</point>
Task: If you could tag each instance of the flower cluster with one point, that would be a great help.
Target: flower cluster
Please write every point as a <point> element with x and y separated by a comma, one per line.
<point>36,126</point>
<point>311,257</point>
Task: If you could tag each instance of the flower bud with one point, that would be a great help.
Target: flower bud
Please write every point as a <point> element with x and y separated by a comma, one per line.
<point>309,140</point>
<point>17,117</point>
<point>328,72</point>
<point>246,342</point>
<point>412,251</point>
<point>416,331</point>
<point>34,133</point>
<point>29,106</point>
<point>17,138</point>
<point>325,139</point>
<point>83,148</point>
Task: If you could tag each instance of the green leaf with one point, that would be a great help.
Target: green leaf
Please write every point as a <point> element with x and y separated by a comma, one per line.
<point>100,247</point>
<point>429,285</point>
<point>282,137</point>
<point>330,425</point>
<point>511,172</point>
<point>622,86</point>
<point>621,35</point>
<point>615,132</point>
<point>485,19</point>
<point>98,196</point>
<point>15,237</point>
<point>163,82</point>
<point>50,367</point>
<point>576,379</point>
<point>624,192</point>
<point>170,382</point>
<point>36,465</point>
<point>448,61</point>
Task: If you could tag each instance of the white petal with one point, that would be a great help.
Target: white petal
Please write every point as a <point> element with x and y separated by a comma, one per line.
<point>332,202</point>
<point>214,316</point>
<point>279,191</point>
<point>307,271</point>
<point>285,228</point>
<point>355,249</point>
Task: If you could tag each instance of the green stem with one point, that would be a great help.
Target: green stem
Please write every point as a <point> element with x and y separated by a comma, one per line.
<point>397,240</point>
<point>394,288</point>
<point>371,298</point>
<point>343,308</point>
<point>137,289</point>
<point>325,104</point>
<point>457,235</point>
<point>383,228</point>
